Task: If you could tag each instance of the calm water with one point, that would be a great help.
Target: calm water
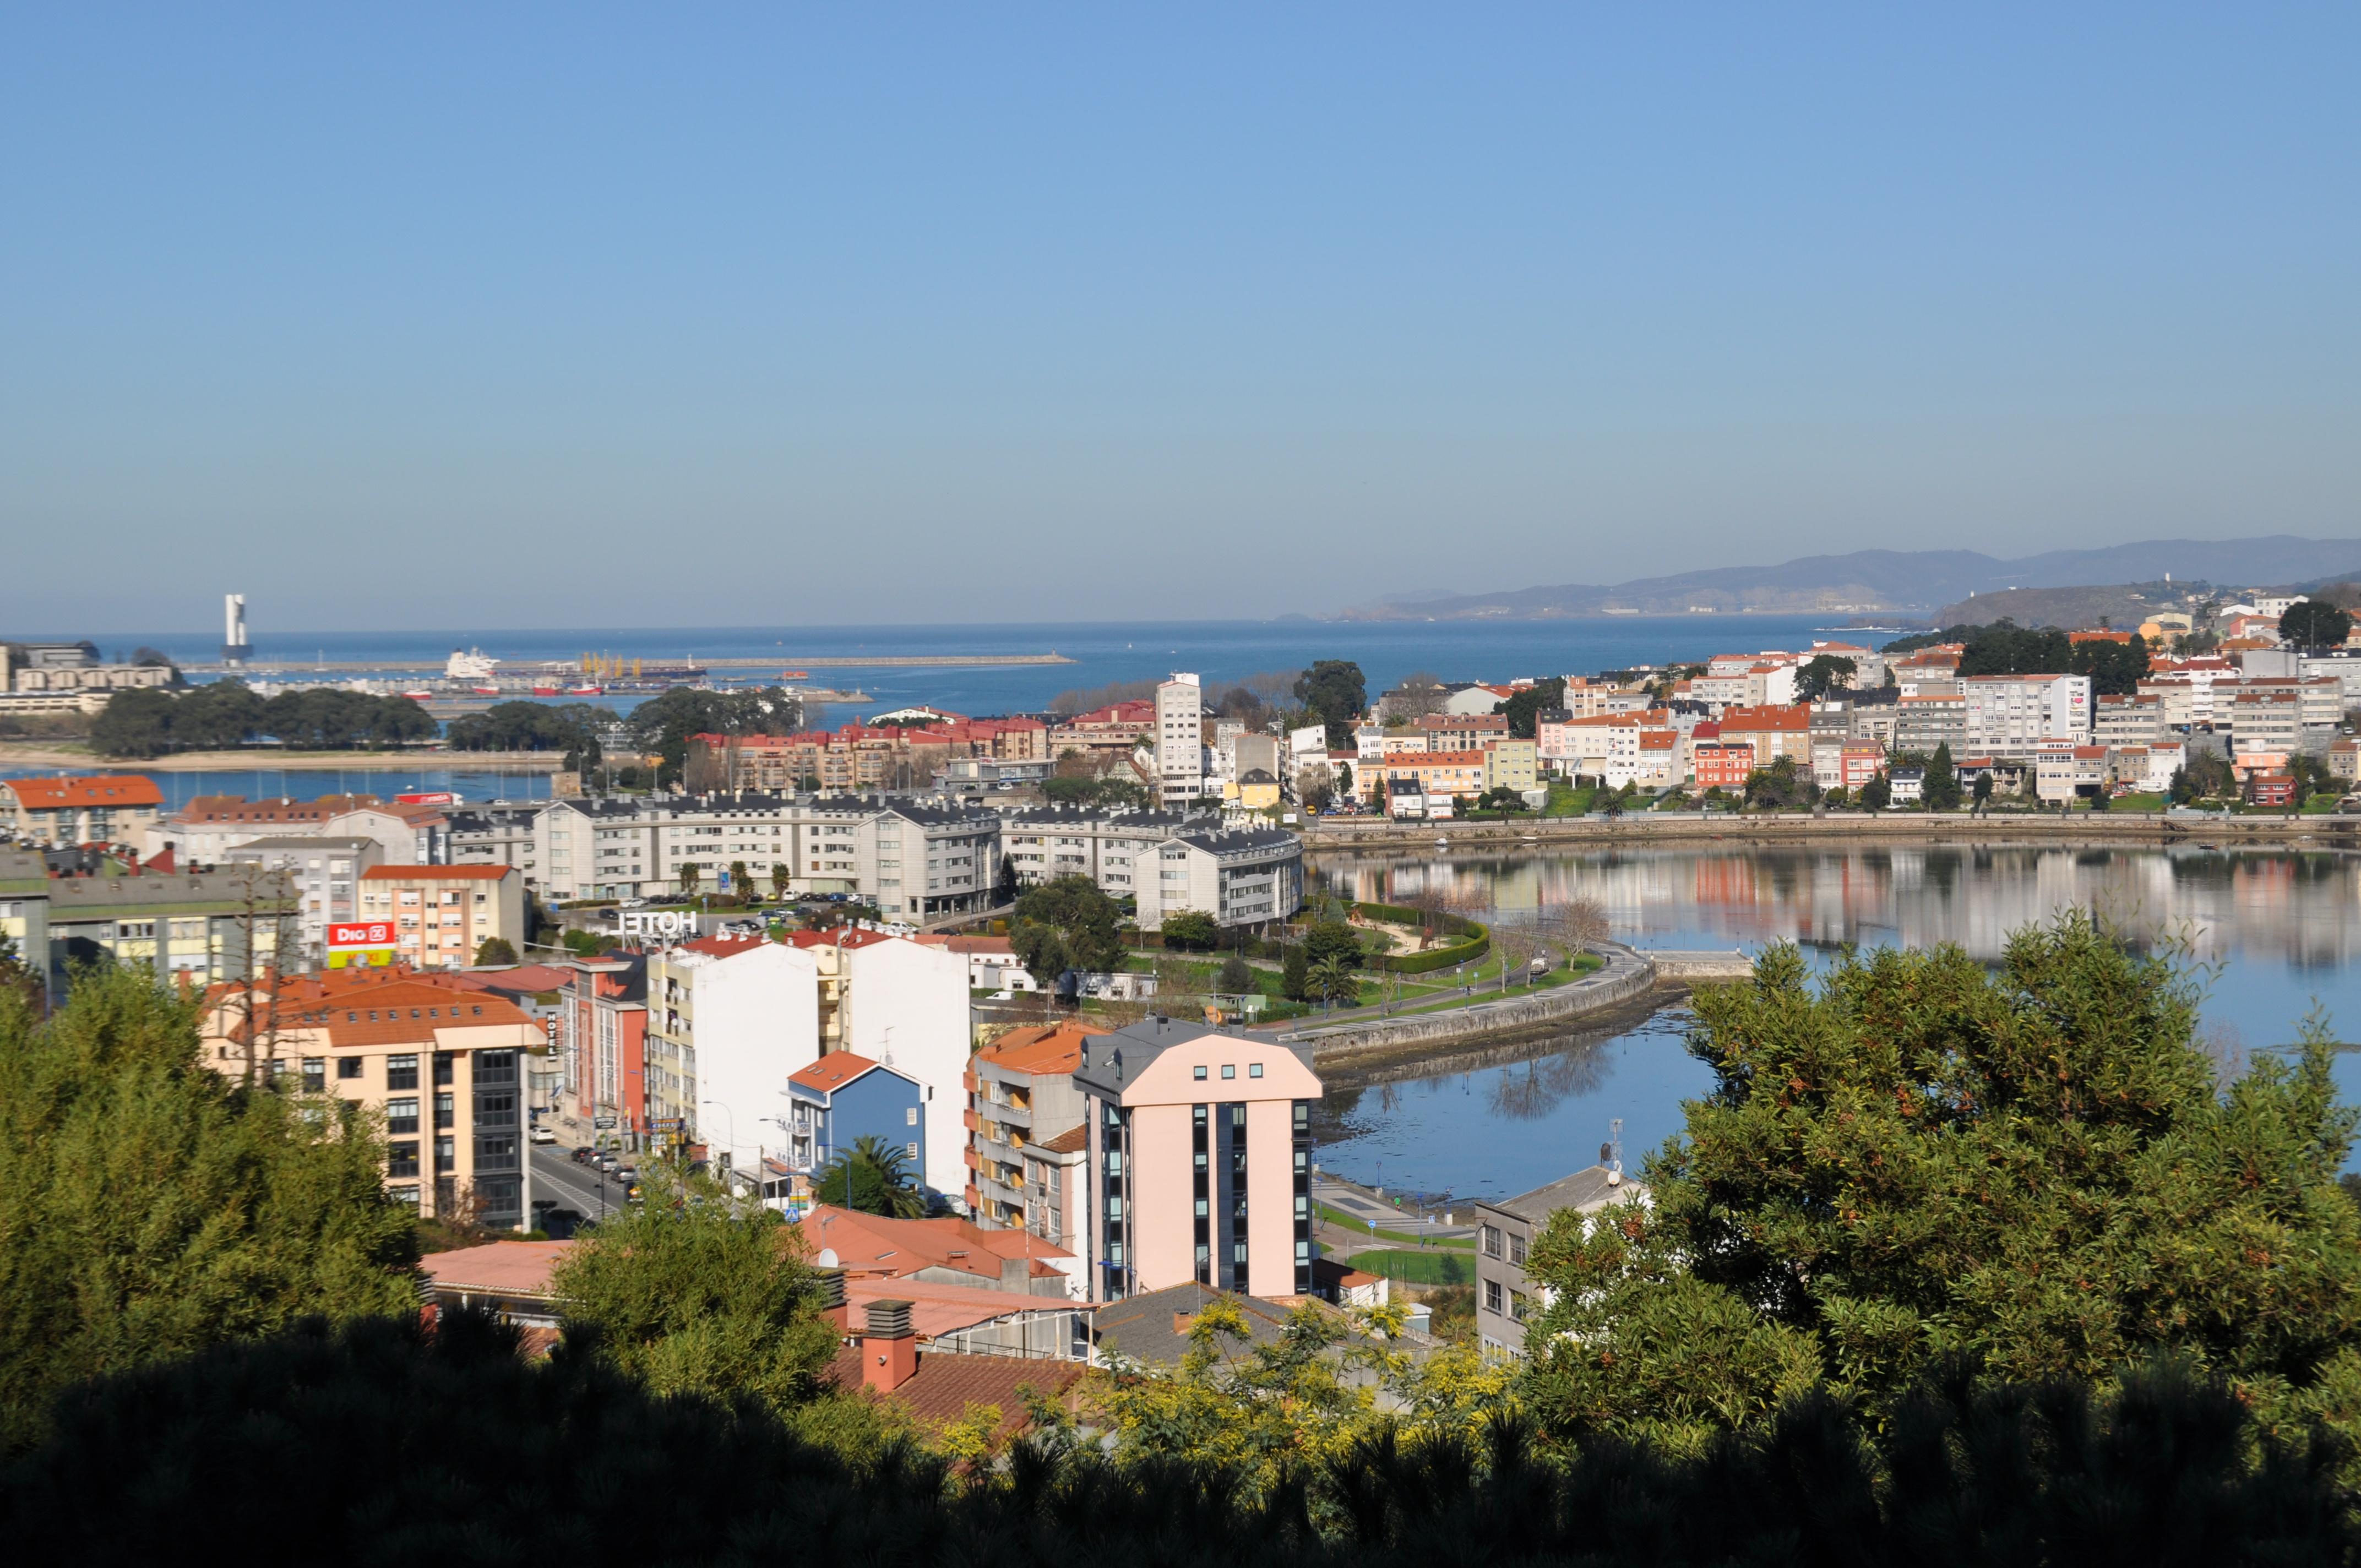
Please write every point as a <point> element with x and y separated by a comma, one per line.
<point>1104,652</point>
<point>304,784</point>
<point>2278,933</point>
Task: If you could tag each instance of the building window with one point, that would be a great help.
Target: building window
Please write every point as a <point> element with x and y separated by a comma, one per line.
<point>1198,1073</point>
<point>401,1160</point>
<point>1518,1302</point>
<point>443,1061</point>
<point>402,1072</point>
<point>446,1110</point>
<point>348,1067</point>
<point>400,1116</point>
<point>447,1155</point>
<point>1516,1250</point>
<point>315,1075</point>
<point>1491,1241</point>
<point>1491,1294</point>
<point>406,1196</point>
<point>1229,1070</point>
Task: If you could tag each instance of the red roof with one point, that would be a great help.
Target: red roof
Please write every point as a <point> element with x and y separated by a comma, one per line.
<point>724,947</point>
<point>1054,1049</point>
<point>436,873</point>
<point>87,789</point>
<point>946,1386</point>
<point>874,1250</point>
<point>832,1071</point>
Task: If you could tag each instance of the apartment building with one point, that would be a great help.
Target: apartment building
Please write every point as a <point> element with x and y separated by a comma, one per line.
<point>444,1068</point>
<point>91,809</point>
<point>1506,1229</point>
<point>1198,1146</point>
<point>324,875</point>
<point>189,927</point>
<point>2133,719</point>
<point>1720,764</point>
<point>1510,764</point>
<point>1774,732</point>
<point>1462,732</point>
<point>1021,1092</point>
<point>729,1020</point>
<point>1245,876</point>
<point>1922,723</point>
<point>2148,768</point>
<point>2064,771</point>
<point>2010,716</point>
<point>1846,764</point>
<point>602,1037</point>
<point>1181,741</point>
<point>1446,773</point>
<point>442,914</point>
<point>1043,843</point>
<point>2265,720</point>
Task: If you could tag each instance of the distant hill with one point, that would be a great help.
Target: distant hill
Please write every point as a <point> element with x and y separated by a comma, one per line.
<point>1900,581</point>
<point>2121,605</point>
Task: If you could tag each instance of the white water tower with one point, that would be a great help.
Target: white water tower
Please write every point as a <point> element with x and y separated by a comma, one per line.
<point>234,648</point>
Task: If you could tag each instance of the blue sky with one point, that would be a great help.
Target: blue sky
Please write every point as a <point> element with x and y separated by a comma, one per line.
<point>561,315</point>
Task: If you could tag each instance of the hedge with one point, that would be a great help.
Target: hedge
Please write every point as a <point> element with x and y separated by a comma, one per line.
<point>1479,940</point>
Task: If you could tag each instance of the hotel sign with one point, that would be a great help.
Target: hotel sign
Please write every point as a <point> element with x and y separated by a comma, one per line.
<point>663,924</point>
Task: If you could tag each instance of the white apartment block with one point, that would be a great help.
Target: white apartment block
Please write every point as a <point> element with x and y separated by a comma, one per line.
<point>1241,878</point>
<point>912,860</point>
<point>727,1024</point>
<point>1044,843</point>
<point>2010,716</point>
<point>1180,740</point>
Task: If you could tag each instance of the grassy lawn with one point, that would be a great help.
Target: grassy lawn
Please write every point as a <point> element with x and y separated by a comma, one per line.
<point>1342,1220</point>
<point>1418,1266</point>
<point>2137,803</point>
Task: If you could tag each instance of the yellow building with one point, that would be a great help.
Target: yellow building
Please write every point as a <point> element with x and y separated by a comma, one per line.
<point>436,917</point>
<point>1511,764</point>
<point>1258,791</point>
<point>443,1067</point>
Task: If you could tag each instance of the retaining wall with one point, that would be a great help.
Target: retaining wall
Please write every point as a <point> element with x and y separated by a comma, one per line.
<point>1627,975</point>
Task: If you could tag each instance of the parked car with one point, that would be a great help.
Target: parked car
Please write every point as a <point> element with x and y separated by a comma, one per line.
<point>583,1154</point>
<point>627,1174</point>
<point>606,1162</point>
<point>634,903</point>
<point>543,1134</point>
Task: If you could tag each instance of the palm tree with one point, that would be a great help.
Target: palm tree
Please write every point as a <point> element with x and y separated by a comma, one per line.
<point>874,1177</point>
<point>1333,979</point>
<point>779,878</point>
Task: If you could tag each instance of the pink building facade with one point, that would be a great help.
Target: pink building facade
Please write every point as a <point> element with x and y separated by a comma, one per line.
<point>1198,1161</point>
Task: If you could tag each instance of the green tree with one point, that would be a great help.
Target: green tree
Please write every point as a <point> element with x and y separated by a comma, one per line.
<point>150,1207</point>
<point>1878,793</point>
<point>1940,788</point>
<point>1333,939</point>
<point>1524,707</point>
<point>1780,785</point>
<point>2115,668</point>
<point>1337,696</point>
<point>495,951</point>
<point>664,724</point>
<point>1927,1168</point>
<point>689,877</point>
<point>1295,974</point>
<point>1237,977</point>
<point>697,1292</point>
<point>2310,623</point>
<point>780,879</point>
<point>1190,931</point>
<point>1821,673</point>
<point>1084,922</point>
<point>874,1176</point>
<point>741,880</point>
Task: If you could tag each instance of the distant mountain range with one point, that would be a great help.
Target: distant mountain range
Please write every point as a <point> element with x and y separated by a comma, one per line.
<point>1911,581</point>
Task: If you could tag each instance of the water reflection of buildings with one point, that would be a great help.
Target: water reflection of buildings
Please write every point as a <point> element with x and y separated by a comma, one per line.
<point>2304,907</point>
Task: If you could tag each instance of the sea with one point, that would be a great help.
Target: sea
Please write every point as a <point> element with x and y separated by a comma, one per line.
<point>1104,652</point>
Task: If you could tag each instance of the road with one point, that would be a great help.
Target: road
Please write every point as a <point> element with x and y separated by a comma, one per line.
<point>556,1177</point>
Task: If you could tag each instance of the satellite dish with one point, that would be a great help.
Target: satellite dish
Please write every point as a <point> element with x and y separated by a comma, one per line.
<point>827,1258</point>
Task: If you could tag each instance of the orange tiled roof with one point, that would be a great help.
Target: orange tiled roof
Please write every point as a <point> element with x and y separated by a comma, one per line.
<point>1051,1048</point>
<point>832,1071</point>
<point>88,789</point>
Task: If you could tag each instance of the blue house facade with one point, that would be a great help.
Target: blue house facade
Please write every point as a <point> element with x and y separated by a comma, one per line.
<point>842,1097</point>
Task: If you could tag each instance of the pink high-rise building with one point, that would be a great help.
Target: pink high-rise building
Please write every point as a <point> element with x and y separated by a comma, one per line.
<point>1199,1161</point>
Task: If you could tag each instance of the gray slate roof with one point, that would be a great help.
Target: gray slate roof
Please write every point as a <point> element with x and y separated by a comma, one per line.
<point>1584,1191</point>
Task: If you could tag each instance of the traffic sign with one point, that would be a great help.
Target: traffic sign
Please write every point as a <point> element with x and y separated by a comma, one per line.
<point>602,1122</point>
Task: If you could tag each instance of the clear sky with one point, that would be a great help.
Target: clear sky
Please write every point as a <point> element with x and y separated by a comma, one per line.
<point>559,315</point>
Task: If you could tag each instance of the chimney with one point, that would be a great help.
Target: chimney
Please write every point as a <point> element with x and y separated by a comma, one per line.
<point>831,1287</point>
<point>889,1351</point>
<point>1180,1321</point>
